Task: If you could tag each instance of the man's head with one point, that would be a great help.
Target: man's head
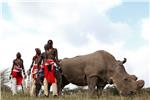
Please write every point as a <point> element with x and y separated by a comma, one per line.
<point>38,51</point>
<point>50,43</point>
<point>18,55</point>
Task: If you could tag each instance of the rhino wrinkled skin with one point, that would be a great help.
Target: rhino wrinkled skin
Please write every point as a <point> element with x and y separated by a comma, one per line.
<point>98,69</point>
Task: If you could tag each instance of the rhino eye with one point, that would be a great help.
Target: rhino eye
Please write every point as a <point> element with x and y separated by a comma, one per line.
<point>126,79</point>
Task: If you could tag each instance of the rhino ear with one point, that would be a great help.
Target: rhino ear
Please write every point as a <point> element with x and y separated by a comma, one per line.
<point>125,59</point>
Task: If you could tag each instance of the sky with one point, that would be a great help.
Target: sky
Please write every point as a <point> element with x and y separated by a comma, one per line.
<point>77,27</point>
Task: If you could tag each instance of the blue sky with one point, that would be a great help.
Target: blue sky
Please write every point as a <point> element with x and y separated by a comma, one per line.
<point>80,27</point>
<point>6,11</point>
<point>131,13</point>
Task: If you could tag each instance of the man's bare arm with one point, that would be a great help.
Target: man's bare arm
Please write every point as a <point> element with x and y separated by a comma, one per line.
<point>29,71</point>
<point>23,69</point>
<point>56,56</point>
<point>12,69</point>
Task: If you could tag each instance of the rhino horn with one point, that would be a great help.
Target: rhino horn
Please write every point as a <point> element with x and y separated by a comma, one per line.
<point>125,59</point>
<point>140,84</point>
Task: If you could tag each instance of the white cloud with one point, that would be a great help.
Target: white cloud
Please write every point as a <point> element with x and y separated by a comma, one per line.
<point>145,29</point>
<point>146,54</point>
<point>74,19</point>
<point>7,28</point>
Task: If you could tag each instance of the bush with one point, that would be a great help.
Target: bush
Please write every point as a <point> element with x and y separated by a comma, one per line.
<point>5,88</point>
<point>111,91</point>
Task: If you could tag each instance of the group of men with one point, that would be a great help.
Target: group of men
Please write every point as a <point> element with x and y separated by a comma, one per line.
<point>44,70</point>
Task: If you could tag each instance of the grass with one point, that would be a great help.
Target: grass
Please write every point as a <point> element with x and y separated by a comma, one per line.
<point>78,95</point>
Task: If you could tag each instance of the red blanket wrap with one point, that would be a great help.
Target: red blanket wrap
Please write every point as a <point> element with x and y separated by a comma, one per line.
<point>34,71</point>
<point>16,73</point>
<point>49,74</point>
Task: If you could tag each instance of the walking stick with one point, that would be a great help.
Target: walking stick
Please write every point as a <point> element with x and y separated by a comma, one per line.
<point>23,83</point>
<point>28,82</point>
<point>22,88</point>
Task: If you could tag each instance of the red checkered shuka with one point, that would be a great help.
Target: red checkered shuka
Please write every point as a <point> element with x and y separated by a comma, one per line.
<point>16,73</point>
<point>49,75</point>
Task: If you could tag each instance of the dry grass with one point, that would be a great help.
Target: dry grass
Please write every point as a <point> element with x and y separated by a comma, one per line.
<point>80,95</point>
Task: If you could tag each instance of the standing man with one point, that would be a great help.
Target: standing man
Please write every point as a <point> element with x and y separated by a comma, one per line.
<point>16,73</point>
<point>47,76</point>
<point>49,58</point>
<point>53,54</point>
<point>36,81</point>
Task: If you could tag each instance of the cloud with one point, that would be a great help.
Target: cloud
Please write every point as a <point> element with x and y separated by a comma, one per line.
<point>145,34</point>
<point>58,10</point>
<point>72,18</point>
<point>145,29</point>
<point>7,28</point>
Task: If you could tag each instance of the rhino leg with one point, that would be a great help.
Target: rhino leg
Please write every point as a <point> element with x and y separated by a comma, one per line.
<point>92,82</point>
<point>59,81</point>
<point>100,86</point>
<point>64,82</point>
<point>99,90</point>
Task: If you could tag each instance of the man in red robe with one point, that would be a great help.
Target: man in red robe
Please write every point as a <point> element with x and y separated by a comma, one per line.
<point>16,72</point>
<point>36,86</point>
<point>49,58</point>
